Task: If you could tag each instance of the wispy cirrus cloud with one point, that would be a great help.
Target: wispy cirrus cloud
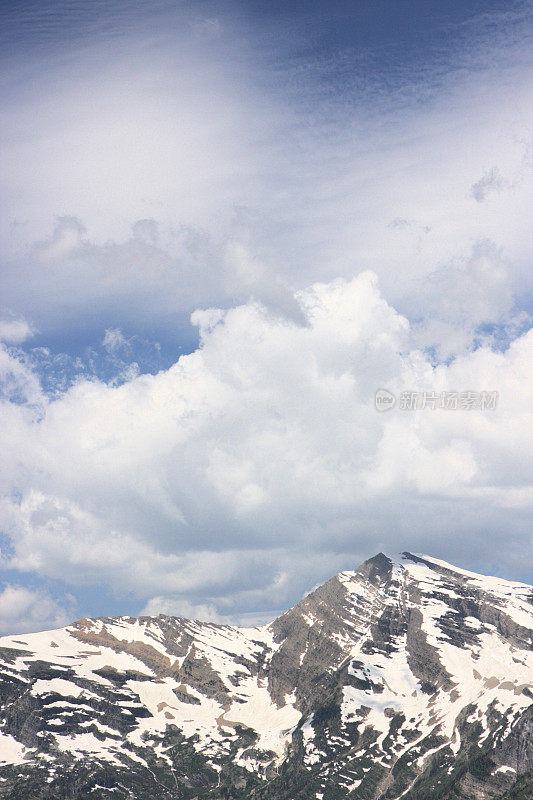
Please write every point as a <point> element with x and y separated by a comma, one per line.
<point>201,174</point>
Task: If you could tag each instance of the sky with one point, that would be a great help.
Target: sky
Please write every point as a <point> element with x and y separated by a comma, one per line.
<point>225,227</point>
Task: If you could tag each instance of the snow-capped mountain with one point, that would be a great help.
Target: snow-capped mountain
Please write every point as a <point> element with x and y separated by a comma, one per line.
<point>407,677</point>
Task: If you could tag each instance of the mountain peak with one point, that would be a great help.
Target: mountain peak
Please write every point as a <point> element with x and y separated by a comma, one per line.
<point>399,678</point>
<point>377,568</point>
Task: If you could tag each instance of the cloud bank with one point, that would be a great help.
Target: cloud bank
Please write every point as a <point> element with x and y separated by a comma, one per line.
<point>257,465</point>
<point>242,165</point>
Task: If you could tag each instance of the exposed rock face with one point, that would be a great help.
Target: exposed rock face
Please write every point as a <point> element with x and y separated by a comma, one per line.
<point>404,678</point>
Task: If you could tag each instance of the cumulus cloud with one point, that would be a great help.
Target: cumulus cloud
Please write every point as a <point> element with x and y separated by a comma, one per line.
<point>463,297</point>
<point>24,610</point>
<point>258,465</point>
<point>177,167</point>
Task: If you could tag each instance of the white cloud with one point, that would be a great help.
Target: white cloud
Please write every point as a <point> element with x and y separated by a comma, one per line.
<point>66,240</point>
<point>215,182</point>
<point>176,607</point>
<point>257,465</point>
<point>18,382</point>
<point>458,299</point>
<point>14,331</point>
<point>113,340</point>
<point>182,608</point>
<point>24,610</point>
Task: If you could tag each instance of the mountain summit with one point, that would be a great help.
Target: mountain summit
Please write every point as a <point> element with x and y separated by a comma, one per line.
<point>407,677</point>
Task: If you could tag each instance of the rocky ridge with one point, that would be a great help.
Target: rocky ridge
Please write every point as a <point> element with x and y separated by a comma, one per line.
<point>406,677</point>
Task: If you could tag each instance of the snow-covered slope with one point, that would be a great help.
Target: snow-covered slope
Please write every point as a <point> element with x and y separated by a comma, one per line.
<point>405,678</point>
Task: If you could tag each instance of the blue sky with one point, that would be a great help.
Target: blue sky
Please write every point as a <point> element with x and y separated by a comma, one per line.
<point>225,226</point>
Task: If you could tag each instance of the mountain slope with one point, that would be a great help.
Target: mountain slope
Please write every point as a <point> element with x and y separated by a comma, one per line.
<point>404,678</point>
